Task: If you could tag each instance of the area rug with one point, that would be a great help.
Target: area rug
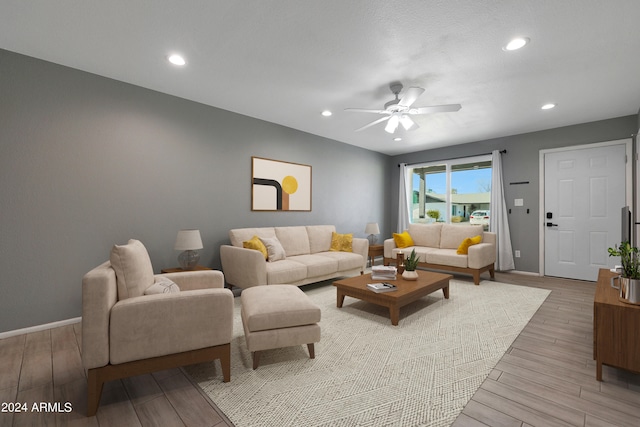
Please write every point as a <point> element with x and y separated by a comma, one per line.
<point>370,373</point>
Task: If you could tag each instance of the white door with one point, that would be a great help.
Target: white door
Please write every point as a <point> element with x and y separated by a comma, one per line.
<point>584,193</point>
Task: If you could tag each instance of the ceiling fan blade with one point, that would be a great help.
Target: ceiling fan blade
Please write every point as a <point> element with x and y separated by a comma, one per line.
<point>375,122</point>
<point>408,123</point>
<point>364,110</point>
<point>410,96</point>
<point>392,124</point>
<point>449,108</point>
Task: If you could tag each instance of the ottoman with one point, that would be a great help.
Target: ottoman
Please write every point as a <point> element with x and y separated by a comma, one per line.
<point>276,316</point>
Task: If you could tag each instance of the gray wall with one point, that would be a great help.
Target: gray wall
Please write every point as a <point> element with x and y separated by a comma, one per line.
<point>521,163</point>
<point>87,162</point>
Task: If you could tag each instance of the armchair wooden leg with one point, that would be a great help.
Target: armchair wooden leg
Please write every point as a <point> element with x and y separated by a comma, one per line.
<point>256,359</point>
<point>94,391</point>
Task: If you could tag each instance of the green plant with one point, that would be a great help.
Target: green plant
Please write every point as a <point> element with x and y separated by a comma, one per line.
<point>629,258</point>
<point>411,263</point>
<point>433,213</point>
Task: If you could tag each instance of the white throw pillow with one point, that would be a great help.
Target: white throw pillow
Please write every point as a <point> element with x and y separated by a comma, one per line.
<point>163,285</point>
<point>133,269</point>
<point>274,248</point>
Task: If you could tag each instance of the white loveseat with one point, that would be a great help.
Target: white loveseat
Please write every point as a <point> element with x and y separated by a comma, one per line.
<point>437,246</point>
<point>308,257</point>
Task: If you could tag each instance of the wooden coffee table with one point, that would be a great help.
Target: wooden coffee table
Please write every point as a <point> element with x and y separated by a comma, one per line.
<point>408,291</point>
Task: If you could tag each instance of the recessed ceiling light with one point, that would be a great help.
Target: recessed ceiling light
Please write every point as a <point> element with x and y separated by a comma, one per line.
<point>397,139</point>
<point>517,43</point>
<point>327,113</point>
<point>176,59</point>
<point>548,106</point>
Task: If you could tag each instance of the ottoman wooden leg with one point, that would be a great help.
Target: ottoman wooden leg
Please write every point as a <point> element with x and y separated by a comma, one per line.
<point>312,351</point>
<point>256,359</point>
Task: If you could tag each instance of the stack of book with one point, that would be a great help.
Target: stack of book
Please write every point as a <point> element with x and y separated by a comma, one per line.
<point>383,272</point>
<point>381,287</point>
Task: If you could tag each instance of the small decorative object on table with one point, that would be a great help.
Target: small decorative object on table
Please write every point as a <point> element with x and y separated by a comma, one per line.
<point>400,262</point>
<point>382,287</point>
<point>188,241</point>
<point>410,265</point>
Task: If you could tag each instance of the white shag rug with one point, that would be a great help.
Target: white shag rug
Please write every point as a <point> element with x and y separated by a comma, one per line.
<point>370,373</point>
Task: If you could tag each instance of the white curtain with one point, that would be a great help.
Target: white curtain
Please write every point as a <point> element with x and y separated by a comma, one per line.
<point>403,200</point>
<point>498,220</point>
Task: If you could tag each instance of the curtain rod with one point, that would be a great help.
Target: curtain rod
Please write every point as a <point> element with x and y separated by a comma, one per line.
<point>455,158</point>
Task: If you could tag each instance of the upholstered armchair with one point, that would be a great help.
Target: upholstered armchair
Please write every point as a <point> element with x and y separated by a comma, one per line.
<point>135,322</point>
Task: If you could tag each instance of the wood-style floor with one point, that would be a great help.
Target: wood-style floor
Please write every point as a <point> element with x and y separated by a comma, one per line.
<point>546,378</point>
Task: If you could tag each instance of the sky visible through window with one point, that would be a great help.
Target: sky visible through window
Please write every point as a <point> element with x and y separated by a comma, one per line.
<point>469,181</point>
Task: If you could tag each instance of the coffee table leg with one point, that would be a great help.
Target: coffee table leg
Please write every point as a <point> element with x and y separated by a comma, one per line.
<point>445,291</point>
<point>340,299</point>
<point>394,313</point>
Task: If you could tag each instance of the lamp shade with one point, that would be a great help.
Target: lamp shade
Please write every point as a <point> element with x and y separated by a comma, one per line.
<point>188,240</point>
<point>372,228</point>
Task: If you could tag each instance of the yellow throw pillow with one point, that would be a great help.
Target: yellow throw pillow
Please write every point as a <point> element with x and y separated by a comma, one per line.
<point>256,244</point>
<point>341,242</point>
<point>463,249</point>
<point>403,240</point>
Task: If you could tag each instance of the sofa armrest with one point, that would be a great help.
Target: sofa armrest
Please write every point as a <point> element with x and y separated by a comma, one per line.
<point>389,246</point>
<point>197,279</point>
<point>157,325</point>
<point>99,295</point>
<point>481,255</point>
<point>243,267</point>
<point>361,246</point>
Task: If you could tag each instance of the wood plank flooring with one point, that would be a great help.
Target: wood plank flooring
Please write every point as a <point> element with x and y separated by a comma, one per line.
<point>546,378</point>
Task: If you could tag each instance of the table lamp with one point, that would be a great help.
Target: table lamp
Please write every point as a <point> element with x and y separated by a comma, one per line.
<point>372,229</point>
<point>188,241</point>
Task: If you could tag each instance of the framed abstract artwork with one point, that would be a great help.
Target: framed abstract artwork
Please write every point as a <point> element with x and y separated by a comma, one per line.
<point>280,186</point>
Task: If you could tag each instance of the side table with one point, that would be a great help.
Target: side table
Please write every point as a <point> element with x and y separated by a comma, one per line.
<point>374,251</point>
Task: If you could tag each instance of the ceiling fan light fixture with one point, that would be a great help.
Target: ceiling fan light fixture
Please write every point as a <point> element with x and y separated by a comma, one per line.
<point>392,124</point>
<point>407,122</point>
<point>517,43</point>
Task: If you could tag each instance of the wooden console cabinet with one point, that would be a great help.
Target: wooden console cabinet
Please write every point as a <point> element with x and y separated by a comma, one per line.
<point>616,328</point>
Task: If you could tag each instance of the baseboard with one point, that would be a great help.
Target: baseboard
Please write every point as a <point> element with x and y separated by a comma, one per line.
<point>38,328</point>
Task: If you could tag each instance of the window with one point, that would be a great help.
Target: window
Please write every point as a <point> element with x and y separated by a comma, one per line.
<point>451,191</point>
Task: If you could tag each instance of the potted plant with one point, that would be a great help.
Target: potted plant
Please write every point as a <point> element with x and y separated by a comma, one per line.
<point>630,275</point>
<point>410,265</point>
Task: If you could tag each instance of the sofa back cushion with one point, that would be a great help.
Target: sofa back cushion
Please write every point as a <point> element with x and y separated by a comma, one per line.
<point>294,240</point>
<point>239,235</point>
<point>453,235</point>
<point>426,234</point>
<point>320,237</point>
<point>132,265</point>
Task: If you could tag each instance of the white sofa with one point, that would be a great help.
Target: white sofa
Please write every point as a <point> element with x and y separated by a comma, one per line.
<point>437,245</point>
<point>308,258</point>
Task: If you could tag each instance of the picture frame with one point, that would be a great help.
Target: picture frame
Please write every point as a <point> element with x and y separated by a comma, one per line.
<point>277,185</point>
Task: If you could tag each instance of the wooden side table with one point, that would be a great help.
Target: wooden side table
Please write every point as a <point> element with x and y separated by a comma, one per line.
<point>178,269</point>
<point>374,251</point>
<point>616,328</point>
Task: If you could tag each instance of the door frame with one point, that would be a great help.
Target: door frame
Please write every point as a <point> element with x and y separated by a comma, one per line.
<point>628,184</point>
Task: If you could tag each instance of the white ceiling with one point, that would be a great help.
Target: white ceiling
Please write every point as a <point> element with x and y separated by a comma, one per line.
<point>285,61</point>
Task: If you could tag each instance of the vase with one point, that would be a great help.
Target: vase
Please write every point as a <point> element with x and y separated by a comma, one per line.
<point>629,289</point>
<point>410,275</point>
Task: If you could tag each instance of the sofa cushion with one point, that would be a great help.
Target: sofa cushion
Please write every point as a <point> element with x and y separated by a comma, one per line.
<point>163,285</point>
<point>341,242</point>
<point>294,240</point>
<point>275,251</point>
<point>133,268</point>
<point>403,240</point>
<point>447,257</point>
<point>463,249</point>
<point>319,237</point>
<point>285,271</point>
<point>239,235</point>
<point>426,234</point>
<point>346,260</point>
<point>453,234</point>
<point>256,244</point>
<point>317,265</point>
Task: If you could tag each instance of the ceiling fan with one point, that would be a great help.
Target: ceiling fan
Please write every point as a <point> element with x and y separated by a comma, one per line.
<point>399,111</point>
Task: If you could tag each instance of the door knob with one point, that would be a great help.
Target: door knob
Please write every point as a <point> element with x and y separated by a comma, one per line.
<point>549,224</point>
